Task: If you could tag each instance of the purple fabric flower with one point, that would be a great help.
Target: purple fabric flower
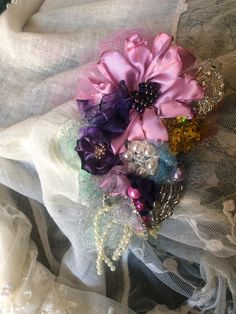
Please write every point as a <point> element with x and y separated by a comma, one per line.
<point>112,114</point>
<point>95,151</point>
<point>115,182</point>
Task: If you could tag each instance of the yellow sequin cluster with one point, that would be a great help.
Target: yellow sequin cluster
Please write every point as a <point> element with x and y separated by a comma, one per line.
<point>184,134</point>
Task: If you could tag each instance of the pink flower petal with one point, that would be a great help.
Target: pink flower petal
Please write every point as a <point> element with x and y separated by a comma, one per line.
<point>165,70</point>
<point>183,89</point>
<point>114,65</point>
<point>138,53</point>
<point>118,143</point>
<point>161,44</point>
<point>136,130</point>
<point>153,127</point>
<point>103,69</point>
<point>88,91</point>
<point>187,58</point>
<point>133,132</point>
<point>172,109</point>
<point>102,86</point>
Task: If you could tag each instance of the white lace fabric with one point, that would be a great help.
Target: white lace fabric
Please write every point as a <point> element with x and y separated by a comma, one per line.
<point>27,286</point>
<point>44,45</point>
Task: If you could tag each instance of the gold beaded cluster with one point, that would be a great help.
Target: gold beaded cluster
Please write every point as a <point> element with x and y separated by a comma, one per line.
<point>100,151</point>
<point>184,134</point>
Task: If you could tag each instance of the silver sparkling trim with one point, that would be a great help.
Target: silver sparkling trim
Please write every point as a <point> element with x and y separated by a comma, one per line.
<point>212,82</point>
<point>170,195</point>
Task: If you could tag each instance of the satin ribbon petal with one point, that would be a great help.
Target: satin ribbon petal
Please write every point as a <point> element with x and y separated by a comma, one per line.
<point>134,131</point>
<point>183,89</point>
<point>165,70</point>
<point>102,86</point>
<point>148,126</point>
<point>138,53</point>
<point>153,127</point>
<point>161,44</point>
<point>187,58</point>
<point>88,91</point>
<point>172,109</point>
<point>114,65</point>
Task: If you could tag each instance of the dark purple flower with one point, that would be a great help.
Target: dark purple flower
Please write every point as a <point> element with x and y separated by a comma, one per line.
<point>112,114</point>
<point>95,151</point>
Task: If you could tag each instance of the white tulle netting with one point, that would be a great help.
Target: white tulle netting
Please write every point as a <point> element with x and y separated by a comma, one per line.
<point>47,205</point>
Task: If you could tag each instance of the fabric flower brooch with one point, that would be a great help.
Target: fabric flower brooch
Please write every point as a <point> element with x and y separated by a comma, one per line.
<point>143,110</point>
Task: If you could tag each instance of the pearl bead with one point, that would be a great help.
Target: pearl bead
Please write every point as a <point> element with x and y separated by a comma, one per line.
<point>140,206</point>
<point>146,219</point>
<point>179,174</point>
<point>135,146</point>
<point>151,164</point>
<point>133,193</point>
<point>101,237</point>
<point>132,167</point>
<point>127,155</point>
<point>141,171</point>
<point>149,151</point>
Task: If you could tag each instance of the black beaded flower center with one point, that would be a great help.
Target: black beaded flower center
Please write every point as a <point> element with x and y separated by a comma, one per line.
<point>145,97</point>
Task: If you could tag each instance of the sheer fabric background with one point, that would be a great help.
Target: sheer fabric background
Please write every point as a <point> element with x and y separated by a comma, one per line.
<point>44,46</point>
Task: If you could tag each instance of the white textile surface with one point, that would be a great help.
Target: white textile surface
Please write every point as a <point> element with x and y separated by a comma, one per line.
<point>43,47</point>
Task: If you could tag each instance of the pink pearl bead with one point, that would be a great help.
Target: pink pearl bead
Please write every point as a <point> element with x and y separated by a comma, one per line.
<point>179,174</point>
<point>140,206</point>
<point>146,219</point>
<point>133,193</point>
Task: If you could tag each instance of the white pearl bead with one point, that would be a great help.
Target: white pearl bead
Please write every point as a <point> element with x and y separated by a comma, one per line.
<point>132,167</point>
<point>127,155</point>
<point>135,146</point>
<point>115,258</point>
<point>149,151</point>
<point>151,164</point>
<point>141,171</point>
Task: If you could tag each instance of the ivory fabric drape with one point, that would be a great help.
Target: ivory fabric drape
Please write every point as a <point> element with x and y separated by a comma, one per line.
<point>190,267</point>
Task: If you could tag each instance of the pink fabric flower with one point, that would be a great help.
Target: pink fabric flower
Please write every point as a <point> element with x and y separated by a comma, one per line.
<point>160,62</point>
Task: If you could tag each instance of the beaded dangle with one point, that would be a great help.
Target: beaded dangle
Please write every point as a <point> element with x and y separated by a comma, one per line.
<point>101,235</point>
